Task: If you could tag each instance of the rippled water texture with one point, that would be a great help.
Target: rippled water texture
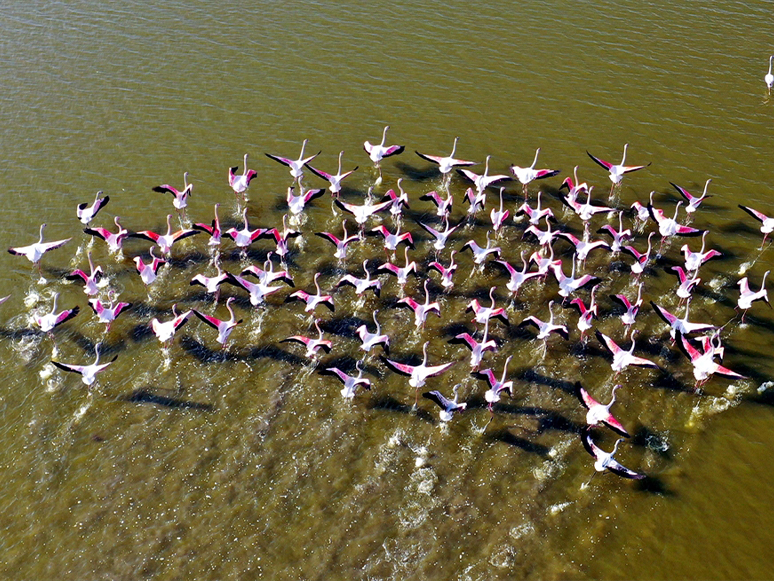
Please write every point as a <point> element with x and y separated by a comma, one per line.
<point>193,463</point>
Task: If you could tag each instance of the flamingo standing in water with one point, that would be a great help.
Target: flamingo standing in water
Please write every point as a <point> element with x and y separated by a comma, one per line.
<point>34,252</point>
<point>769,77</point>
<point>527,174</point>
<point>88,373</point>
<point>617,171</point>
<point>86,212</point>
<point>240,182</point>
<point>333,179</point>
<point>296,165</point>
<point>378,152</point>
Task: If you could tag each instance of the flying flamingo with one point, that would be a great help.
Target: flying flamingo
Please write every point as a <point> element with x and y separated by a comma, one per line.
<point>767,224</point>
<point>421,310</point>
<point>211,284</point>
<point>333,179</point>
<point>180,197</point>
<point>108,312</point>
<point>640,260</point>
<point>441,237</point>
<point>34,252</point>
<point>362,213</point>
<point>483,314</point>
<point>224,328</point>
<point>545,238</point>
<point>619,236</point>
<point>378,152</point>
<point>496,386</point>
<point>477,201</point>
<point>361,285</point>
<point>244,237</point>
<point>52,319</point>
<point>370,340</point>
<point>574,187</point>
<point>165,332</point>
<point>669,227</point>
<point>267,274</point>
<point>90,281</point>
<point>617,171</point>
<point>312,345</point>
<point>569,284</point>
<point>281,238</point>
<point>477,348</point>
<point>398,201</point>
<point>88,373</point>
<point>213,230</point>
<point>86,213</point>
<point>350,382</point>
<point>312,300</point>
<point>694,260</point>
<point>391,240</point>
<point>534,214</point>
<point>479,253</point>
<point>299,202</point>
<point>631,309</point>
<point>446,272</point>
<point>605,460</point>
<point>240,182</point>
<point>113,240</point>
<point>444,206</point>
<point>686,284</point>
<point>401,272</point>
<point>418,374</point>
<point>296,165</point>
<point>583,247</point>
<point>149,272</point>
<point>586,313</point>
<point>448,163</point>
<point>448,406</point>
<point>340,243</point>
<point>692,202</point>
<point>622,358</point>
<point>517,278</point>
<point>482,181</point>
<point>678,325</point>
<point>499,216</point>
<point>165,241</point>
<point>527,174</point>
<point>747,297</point>
<point>704,366</point>
<point>257,291</point>
<point>599,413</point>
<point>545,328</point>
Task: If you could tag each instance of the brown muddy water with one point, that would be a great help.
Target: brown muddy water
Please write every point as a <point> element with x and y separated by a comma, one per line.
<point>190,462</point>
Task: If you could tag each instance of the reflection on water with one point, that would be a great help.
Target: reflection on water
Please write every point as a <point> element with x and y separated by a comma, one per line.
<point>245,462</point>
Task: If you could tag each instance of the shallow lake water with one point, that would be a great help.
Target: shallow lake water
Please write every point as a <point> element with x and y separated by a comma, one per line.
<point>197,462</point>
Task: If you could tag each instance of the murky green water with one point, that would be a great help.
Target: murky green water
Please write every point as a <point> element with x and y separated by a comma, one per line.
<point>191,463</point>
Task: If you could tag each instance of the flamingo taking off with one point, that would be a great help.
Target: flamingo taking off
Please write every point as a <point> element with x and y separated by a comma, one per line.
<point>378,152</point>
<point>240,182</point>
<point>351,383</point>
<point>605,460</point>
<point>88,373</point>
<point>87,212</point>
<point>446,163</point>
<point>528,174</point>
<point>448,406</point>
<point>599,413</point>
<point>34,252</point>
<point>224,328</point>
<point>296,165</point>
<point>617,171</point>
<point>333,179</point>
<point>180,197</point>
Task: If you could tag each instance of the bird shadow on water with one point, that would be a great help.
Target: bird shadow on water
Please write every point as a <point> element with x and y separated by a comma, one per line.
<point>147,395</point>
<point>507,437</point>
<point>206,355</point>
<point>390,404</point>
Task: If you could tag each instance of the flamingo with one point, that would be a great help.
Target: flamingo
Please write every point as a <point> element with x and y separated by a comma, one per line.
<point>622,358</point>
<point>446,272</point>
<point>477,200</point>
<point>534,214</point>
<point>447,163</point>
<point>165,332</point>
<point>90,281</point>
<point>391,240</point>
<point>692,202</point>
<point>340,243</point>
<point>583,247</point>
<point>769,77</point>
<point>747,297</point>
<point>619,236</point>
<point>240,182</point>
<point>211,284</point>
<point>605,460</point>
<point>441,237</point>
<point>312,300</point>
<point>421,310</point>
<point>180,197</point>
<point>401,272</point>
<point>587,210</point>
<point>586,313</point>
<point>443,206</point>
<point>545,238</point>
<point>165,241</point>
<point>640,260</point>
<point>418,374</point>
<point>114,240</point>
<point>544,263</point>
<point>398,201</point>
<point>545,328</point>
<point>34,252</point>
<point>312,345</point>
<point>148,272</point>
<point>299,202</point>
<point>629,315</point>
<point>258,291</point>
<point>477,349</point>
<point>517,278</point>
<point>448,406</point>
<point>350,382</point>
<point>213,230</point>
<point>244,237</point>
<point>52,319</point>
<point>378,152</point>
<point>362,213</point>
<point>86,212</point>
<point>483,314</point>
<point>479,253</point>
<point>499,216</point>
<point>686,284</point>
<point>767,224</point>
<point>482,181</point>
<point>669,227</point>
<point>296,165</point>
<point>570,284</point>
<point>527,174</point>
<point>694,260</point>
<point>704,366</point>
<point>88,373</point>
<point>333,179</point>
<point>267,274</point>
<point>574,187</point>
<point>361,285</point>
<point>599,413</point>
<point>496,386</point>
<point>108,312</point>
<point>281,238</point>
<point>678,325</point>
<point>224,328</point>
<point>617,171</point>
<point>370,340</point>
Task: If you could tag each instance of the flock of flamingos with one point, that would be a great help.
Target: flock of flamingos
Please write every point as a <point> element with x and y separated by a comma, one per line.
<point>636,236</point>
